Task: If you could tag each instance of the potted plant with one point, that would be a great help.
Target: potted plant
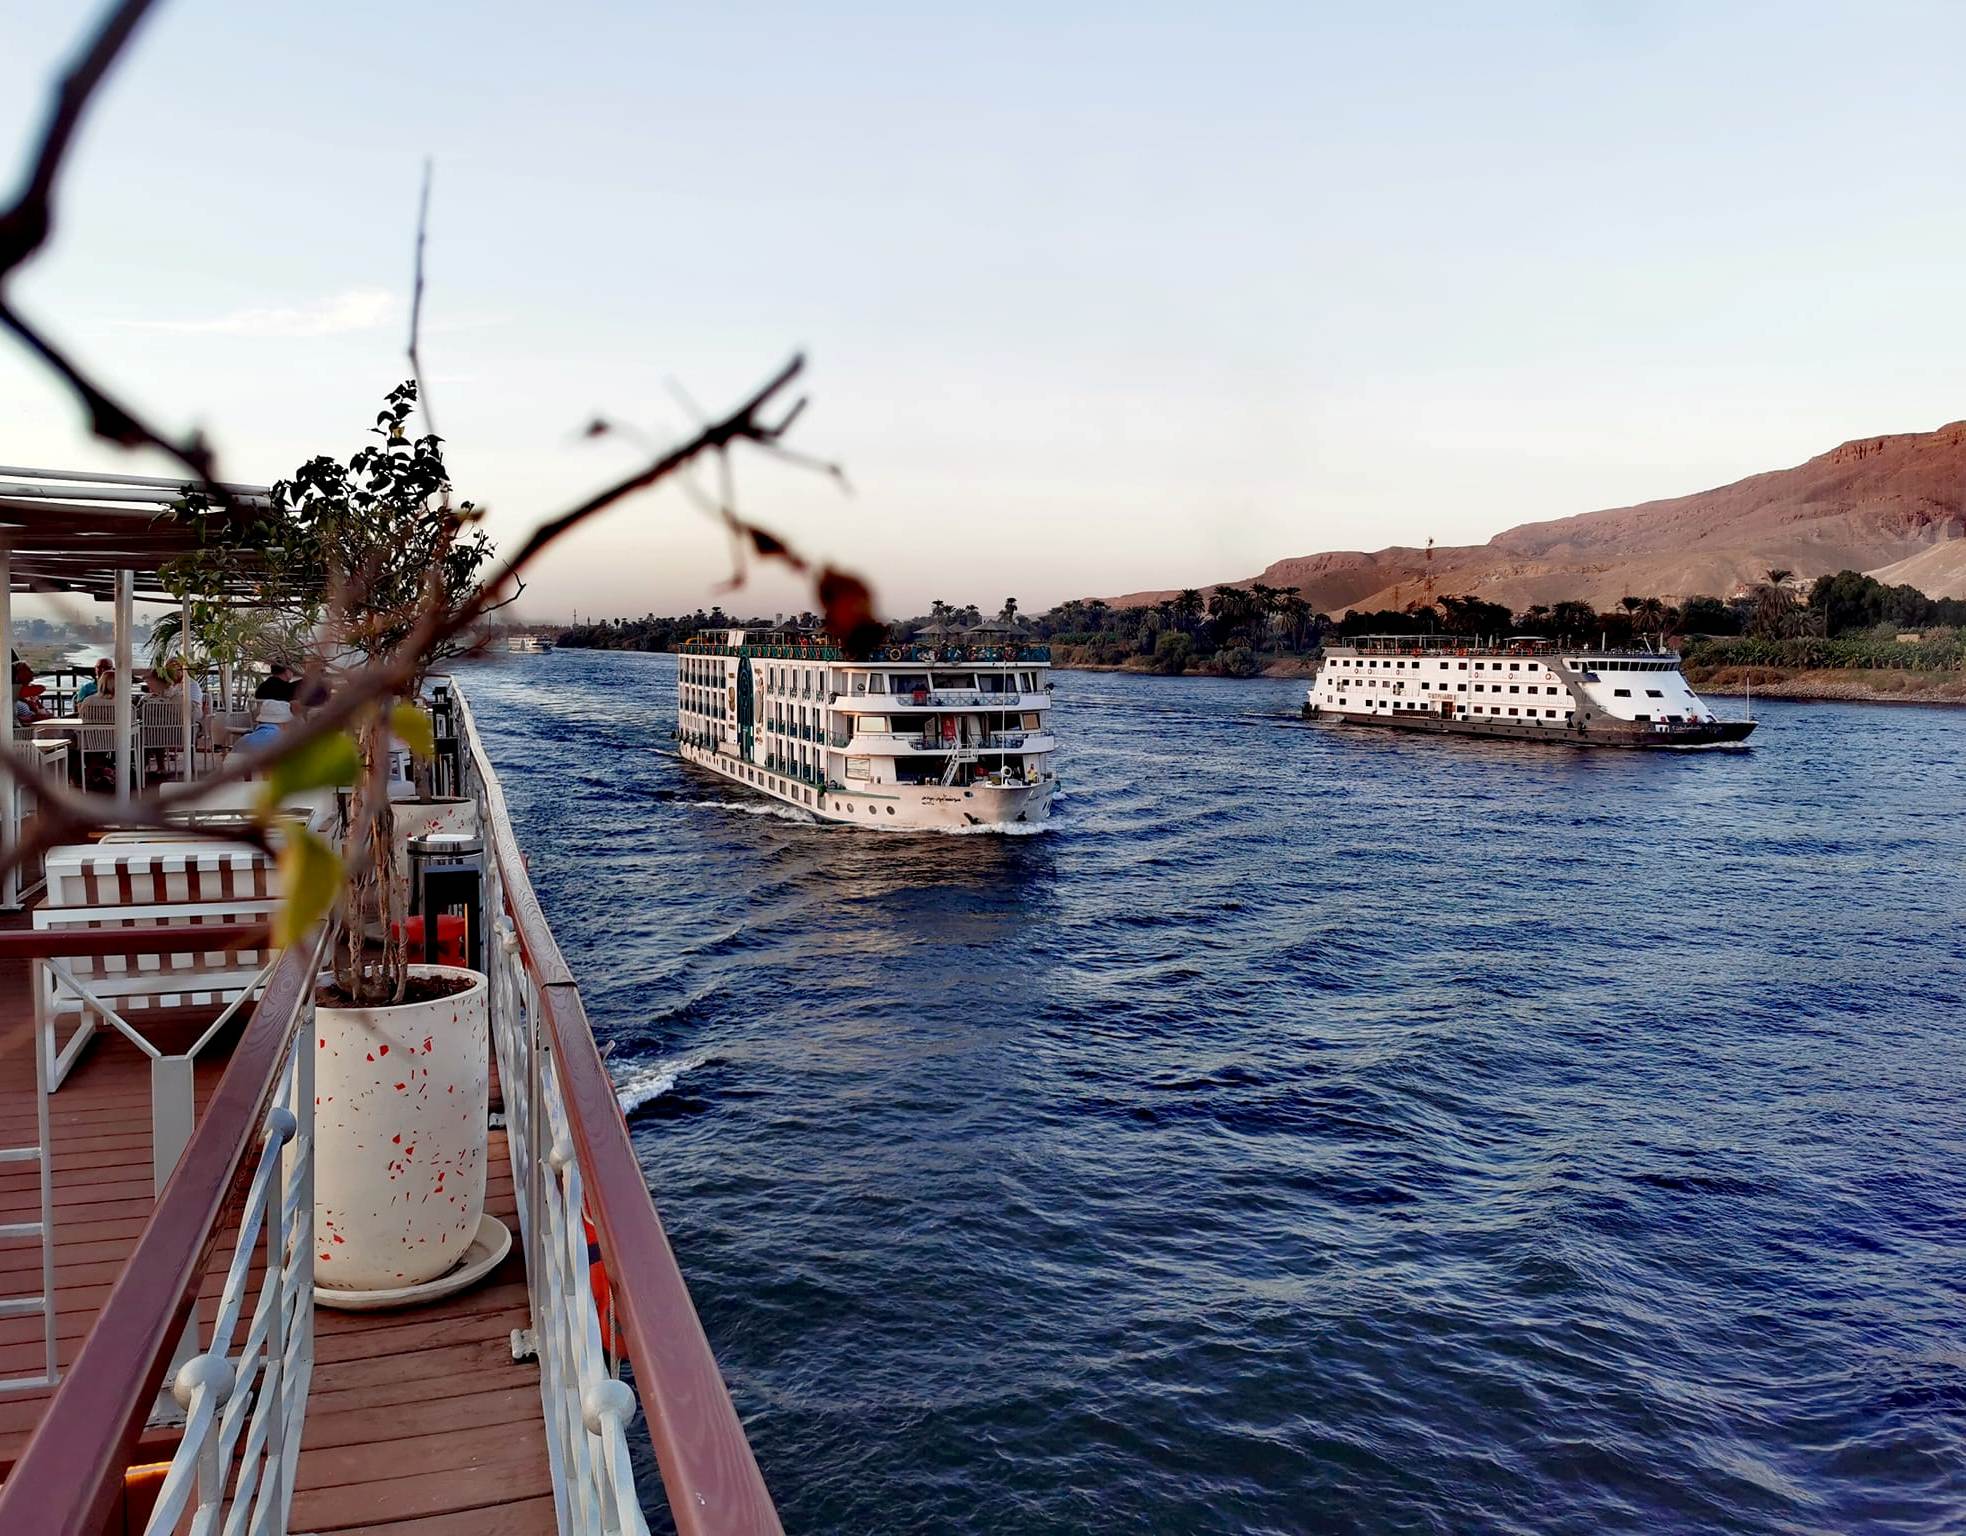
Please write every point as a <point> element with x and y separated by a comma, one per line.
<point>402,1051</point>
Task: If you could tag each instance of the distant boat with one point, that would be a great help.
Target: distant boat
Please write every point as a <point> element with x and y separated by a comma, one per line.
<point>1527,688</point>
<point>948,730</point>
<point>527,645</point>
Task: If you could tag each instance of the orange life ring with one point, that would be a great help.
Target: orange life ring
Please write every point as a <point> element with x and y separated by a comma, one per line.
<point>597,1281</point>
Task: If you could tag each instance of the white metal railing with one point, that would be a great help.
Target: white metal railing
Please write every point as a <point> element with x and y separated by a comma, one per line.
<point>588,1407</point>
<point>41,1229</point>
<point>245,1404</point>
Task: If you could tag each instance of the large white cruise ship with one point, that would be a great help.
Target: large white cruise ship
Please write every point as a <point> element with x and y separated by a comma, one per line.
<point>947,730</point>
<point>1528,688</point>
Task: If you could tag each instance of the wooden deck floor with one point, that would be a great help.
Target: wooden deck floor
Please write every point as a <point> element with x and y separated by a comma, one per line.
<point>419,1422</point>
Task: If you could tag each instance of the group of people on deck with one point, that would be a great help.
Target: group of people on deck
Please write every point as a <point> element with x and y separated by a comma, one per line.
<point>279,698</point>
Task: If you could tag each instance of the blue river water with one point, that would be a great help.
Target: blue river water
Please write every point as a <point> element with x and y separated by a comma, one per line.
<point>1311,1129</point>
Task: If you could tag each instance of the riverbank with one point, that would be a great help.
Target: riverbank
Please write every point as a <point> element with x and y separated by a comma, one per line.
<point>1143,666</point>
<point>1852,685</point>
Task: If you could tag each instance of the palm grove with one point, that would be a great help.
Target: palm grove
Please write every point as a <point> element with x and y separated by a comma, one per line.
<point>1845,620</point>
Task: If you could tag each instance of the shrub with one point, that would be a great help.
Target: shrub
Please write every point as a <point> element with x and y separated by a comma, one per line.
<point>1172,652</point>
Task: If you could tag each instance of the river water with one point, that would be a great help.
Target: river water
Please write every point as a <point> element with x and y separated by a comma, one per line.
<point>1311,1129</point>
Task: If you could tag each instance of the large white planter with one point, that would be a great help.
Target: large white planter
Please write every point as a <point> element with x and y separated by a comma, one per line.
<point>424,818</point>
<point>400,1137</point>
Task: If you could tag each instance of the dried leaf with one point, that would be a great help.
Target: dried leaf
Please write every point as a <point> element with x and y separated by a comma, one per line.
<point>767,544</point>
<point>414,729</point>
<point>327,762</point>
<point>849,610</point>
<point>310,877</point>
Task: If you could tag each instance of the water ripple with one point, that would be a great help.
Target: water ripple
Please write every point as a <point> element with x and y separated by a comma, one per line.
<point>1314,1131</point>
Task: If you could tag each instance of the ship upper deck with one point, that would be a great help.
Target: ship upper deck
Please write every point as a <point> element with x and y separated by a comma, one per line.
<point>800,646</point>
<point>446,1418</point>
<point>1518,647</point>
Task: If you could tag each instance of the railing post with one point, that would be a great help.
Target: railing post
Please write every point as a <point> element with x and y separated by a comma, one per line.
<point>173,1112</point>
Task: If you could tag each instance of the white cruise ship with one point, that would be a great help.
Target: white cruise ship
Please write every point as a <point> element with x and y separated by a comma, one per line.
<point>947,730</point>
<point>1527,688</point>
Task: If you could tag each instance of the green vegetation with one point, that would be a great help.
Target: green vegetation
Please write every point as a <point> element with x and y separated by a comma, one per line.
<point>1848,620</point>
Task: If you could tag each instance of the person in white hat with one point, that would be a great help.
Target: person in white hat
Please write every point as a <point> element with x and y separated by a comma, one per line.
<point>274,716</point>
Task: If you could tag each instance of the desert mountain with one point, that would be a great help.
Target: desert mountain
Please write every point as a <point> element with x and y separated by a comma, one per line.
<point>1881,504</point>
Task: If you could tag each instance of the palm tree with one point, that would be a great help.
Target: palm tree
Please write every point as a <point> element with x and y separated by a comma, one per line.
<point>1296,614</point>
<point>1008,613</point>
<point>1189,606</point>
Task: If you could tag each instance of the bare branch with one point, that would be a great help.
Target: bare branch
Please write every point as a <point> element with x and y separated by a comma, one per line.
<point>24,228</point>
<point>416,301</point>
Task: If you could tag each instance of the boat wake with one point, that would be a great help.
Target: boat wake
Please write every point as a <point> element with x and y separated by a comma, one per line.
<point>759,808</point>
<point>649,1082</point>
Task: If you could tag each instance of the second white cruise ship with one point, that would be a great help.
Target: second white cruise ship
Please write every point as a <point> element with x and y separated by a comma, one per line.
<point>1528,688</point>
<point>947,730</point>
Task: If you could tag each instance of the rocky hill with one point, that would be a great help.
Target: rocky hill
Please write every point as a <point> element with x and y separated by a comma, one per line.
<point>1881,504</point>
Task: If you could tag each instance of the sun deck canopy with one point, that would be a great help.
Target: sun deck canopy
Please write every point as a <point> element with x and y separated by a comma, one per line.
<point>74,530</point>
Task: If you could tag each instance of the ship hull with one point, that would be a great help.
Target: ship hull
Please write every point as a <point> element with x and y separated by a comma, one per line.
<point>891,807</point>
<point>1599,733</point>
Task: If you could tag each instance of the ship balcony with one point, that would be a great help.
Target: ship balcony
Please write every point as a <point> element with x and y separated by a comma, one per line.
<point>904,745</point>
<point>963,698</point>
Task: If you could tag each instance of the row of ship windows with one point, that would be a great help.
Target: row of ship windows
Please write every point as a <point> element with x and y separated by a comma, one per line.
<point>1462,666</point>
<point>779,785</point>
<point>1473,709</point>
<point>1458,687</point>
<point>1621,693</point>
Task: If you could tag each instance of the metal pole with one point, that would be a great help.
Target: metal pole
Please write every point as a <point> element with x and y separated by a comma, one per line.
<point>9,793</point>
<point>126,684</point>
<point>185,682</point>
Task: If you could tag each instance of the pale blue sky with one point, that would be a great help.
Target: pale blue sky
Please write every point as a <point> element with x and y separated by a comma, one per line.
<point>1097,297</point>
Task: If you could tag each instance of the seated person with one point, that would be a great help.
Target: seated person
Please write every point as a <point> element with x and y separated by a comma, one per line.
<point>88,689</point>
<point>274,716</point>
<point>28,707</point>
<point>277,684</point>
<point>100,702</point>
<point>171,682</point>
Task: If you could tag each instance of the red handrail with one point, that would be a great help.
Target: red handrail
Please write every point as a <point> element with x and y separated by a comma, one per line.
<point>68,1479</point>
<point>138,939</point>
<point>708,1470</point>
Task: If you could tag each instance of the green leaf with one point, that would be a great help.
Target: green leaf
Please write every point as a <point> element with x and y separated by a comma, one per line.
<point>327,762</point>
<point>310,875</point>
<point>413,728</point>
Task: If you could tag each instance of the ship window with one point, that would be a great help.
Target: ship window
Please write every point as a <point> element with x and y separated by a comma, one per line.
<point>1463,666</point>
<point>1653,693</point>
<point>1463,687</point>
<point>1643,719</point>
<point>1621,693</point>
<point>1511,711</point>
<point>1514,689</point>
<point>1551,713</point>
<point>1030,721</point>
<point>1515,666</point>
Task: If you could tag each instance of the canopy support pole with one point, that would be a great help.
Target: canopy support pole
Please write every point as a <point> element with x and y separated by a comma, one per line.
<point>126,685</point>
<point>9,791</point>
<point>186,683</point>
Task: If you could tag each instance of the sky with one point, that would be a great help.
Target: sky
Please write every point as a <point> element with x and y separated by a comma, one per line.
<point>1095,297</point>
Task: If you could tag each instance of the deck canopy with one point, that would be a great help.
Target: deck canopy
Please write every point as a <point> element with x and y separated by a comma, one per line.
<point>74,530</point>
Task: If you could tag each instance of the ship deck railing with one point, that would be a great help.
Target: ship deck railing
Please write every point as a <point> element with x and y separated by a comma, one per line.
<point>1469,645</point>
<point>197,1388</point>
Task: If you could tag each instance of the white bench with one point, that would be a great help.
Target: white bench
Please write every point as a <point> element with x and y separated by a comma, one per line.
<point>152,883</point>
